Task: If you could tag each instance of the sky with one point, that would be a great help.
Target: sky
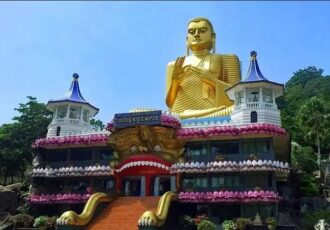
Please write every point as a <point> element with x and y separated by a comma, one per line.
<point>121,49</point>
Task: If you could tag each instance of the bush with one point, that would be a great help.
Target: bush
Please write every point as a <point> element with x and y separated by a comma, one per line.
<point>242,222</point>
<point>311,218</point>
<point>188,221</point>
<point>198,219</point>
<point>206,225</point>
<point>271,221</point>
<point>309,185</point>
<point>228,225</point>
<point>45,222</point>
<point>40,222</point>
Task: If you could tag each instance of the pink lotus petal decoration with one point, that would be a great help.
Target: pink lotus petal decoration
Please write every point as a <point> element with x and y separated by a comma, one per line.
<point>230,130</point>
<point>232,166</point>
<point>230,197</point>
<point>71,140</point>
<point>171,121</point>
<point>58,198</point>
<point>72,171</point>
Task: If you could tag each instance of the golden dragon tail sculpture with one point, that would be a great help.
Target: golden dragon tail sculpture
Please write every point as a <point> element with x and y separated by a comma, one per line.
<point>158,218</point>
<point>72,218</point>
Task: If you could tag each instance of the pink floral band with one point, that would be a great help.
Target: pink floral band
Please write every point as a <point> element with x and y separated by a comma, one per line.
<point>58,198</point>
<point>229,197</point>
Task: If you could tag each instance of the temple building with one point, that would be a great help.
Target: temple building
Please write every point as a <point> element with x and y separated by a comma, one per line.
<point>226,167</point>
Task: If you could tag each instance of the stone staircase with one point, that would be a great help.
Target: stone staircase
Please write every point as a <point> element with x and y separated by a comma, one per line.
<point>123,213</point>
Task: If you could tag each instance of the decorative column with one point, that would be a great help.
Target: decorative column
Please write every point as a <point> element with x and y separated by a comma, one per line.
<point>261,99</point>
<point>245,98</point>
<point>178,182</point>
<point>67,112</point>
<point>55,114</point>
<point>148,184</point>
<point>81,119</point>
<point>118,183</point>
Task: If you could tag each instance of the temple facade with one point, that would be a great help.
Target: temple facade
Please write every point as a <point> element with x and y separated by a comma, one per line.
<point>226,167</point>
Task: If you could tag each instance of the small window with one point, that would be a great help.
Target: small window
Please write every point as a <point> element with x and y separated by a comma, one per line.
<point>196,152</point>
<point>104,154</point>
<point>81,154</point>
<point>254,117</point>
<point>239,98</point>
<point>256,147</point>
<point>196,183</point>
<point>218,182</point>
<point>57,155</point>
<point>267,95</point>
<point>224,148</point>
<point>86,115</point>
<point>253,95</point>
<point>79,186</point>
<point>262,147</point>
<point>252,181</point>
<point>58,131</point>
<point>225,182</point>
<point>75,112</point>
<point>61,111</point>
<point>104,184</point>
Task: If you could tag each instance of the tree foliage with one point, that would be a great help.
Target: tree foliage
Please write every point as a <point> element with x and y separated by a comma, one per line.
<point>303,161</point>
<point>16,138</point>
<point>304,84</point>
<point>303,76</point>
<point>313,118</point>
<point>97,124</point>
<point>305,113</point>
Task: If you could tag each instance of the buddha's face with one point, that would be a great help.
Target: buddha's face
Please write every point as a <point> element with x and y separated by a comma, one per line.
<point>199,36</point>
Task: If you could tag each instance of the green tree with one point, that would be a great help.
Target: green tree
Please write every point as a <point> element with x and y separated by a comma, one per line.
<point>314,119</point>
<point>97,124</point>
<point>304,84</point>
<point>16,138</point>
<point>302,76</point>
<point>303,161</point>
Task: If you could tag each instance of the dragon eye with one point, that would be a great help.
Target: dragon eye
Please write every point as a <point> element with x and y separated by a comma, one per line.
<point>157,148</point>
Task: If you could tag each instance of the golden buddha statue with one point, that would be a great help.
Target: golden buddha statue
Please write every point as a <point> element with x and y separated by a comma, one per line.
<point>196,83</point>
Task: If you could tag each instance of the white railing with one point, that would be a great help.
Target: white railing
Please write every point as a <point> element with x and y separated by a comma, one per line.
<point>70,121</point>
<point>254,105</point>
<point>74,121</point>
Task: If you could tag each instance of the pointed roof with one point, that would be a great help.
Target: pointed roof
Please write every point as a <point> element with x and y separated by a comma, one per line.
<point>254,78</point>
<point>254,73</point>
<point>73,95</point>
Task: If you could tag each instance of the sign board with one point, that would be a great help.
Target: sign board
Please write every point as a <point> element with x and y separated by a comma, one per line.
<point>124,120</point>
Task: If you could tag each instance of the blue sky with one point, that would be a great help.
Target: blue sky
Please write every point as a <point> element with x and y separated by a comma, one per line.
<point>121,49</point>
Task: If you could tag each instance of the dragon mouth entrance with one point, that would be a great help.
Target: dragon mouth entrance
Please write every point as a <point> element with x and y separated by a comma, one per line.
<point>141,164</point>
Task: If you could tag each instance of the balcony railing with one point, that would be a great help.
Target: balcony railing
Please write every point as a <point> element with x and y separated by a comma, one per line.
<point>61,121</point>
<point>253,105</point>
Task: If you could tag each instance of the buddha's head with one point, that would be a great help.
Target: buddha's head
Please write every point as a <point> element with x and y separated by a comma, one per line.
<point>201,35</point>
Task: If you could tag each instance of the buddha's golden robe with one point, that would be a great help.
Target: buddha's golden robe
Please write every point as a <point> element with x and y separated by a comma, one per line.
<point>203,86</point>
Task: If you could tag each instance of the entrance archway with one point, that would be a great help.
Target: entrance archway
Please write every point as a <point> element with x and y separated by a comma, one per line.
<point>137,173</point>
<point>133,186</point>
<point>162,184</point>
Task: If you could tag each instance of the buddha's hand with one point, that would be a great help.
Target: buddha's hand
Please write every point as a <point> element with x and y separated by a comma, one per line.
<point>179,73</point>
<point>178,70</point>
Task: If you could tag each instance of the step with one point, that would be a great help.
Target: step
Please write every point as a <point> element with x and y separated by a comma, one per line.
<point>124,213</point>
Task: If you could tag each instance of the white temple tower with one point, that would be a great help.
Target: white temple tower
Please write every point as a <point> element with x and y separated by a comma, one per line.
<point>72,113</point>
<point>255,96</point>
